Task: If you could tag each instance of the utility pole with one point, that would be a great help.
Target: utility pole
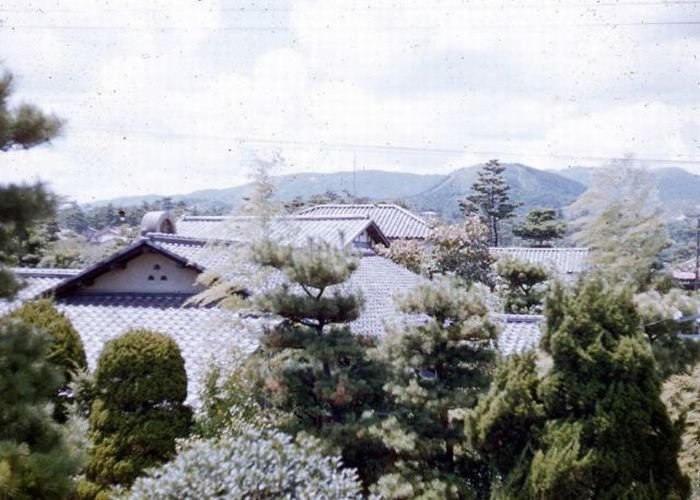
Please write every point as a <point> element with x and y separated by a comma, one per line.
<point>697,254</point>
<point>354,180</point>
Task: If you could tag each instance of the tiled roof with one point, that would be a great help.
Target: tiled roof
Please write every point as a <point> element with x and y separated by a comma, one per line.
<point>565,262</point>
<point>520,333</point>
<point>207,337</point>
<point>292,230</point>
<point>394,221</point>
<point>35,281</point>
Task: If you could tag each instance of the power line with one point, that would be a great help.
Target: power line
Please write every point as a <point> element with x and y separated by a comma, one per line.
<point>368,7</point>
<point>274,29</point>
<point>387,148</point>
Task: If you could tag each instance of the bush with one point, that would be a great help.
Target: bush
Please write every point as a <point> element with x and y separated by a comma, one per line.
<point>34,459</point>
<point>139,409</point>
<point>255,465</point>
<point>66,352</point>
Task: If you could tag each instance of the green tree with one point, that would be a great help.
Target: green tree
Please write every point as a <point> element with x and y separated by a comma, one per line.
<point>594,425</point>
<point>619,219</point>
<point>439,367</point>
<point>66,351</point>
<point>410,254</point>
<point>310,364</point>
<point>524,285</point>
<point>665,318</point>
<point>34,460</point>
<point>138,411</point>
<point>461,250</point>
<point>21,206</point>
<point>255,464</point>
<point>541,226</point>
<point>489,199</point>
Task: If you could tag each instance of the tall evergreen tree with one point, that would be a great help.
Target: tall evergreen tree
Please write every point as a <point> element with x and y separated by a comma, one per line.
<point>541,226</point>
<point>489,199</point>
<point>34,460</point>
<point>438,369</point>
<point>21,206</point>
<point>594,425</point>
<point>619,219</point>
<point>310,364</point>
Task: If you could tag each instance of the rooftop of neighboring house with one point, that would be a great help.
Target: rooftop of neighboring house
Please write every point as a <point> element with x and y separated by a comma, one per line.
<point>565,263</point>
<point>148,284</point>
<point>394,221</point>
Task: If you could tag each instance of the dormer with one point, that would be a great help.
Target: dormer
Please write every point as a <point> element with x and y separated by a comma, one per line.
<point>158,222</point>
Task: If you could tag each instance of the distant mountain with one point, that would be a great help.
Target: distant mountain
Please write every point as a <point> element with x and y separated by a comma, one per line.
<point>528,185</point>
<point>372,184</point>
<point>679,190</point>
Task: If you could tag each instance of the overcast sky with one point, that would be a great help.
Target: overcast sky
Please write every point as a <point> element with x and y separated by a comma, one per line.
<point>171,96</point>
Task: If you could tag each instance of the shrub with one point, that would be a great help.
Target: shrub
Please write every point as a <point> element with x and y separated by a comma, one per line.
<point>255,465</point>
<point>139,409</point>
<point>66,351</point>
<point>34,459</point>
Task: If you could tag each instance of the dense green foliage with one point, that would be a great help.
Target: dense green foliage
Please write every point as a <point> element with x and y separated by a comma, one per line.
<point>541,226</point>
<point>438,367</point>
<point>66,351</point>
<point>254,464</point>
<point>310,364</point>
<point>594,425</point>
<point>619,219</point>
<point>34,460</point>
<point>523,285</point>
<point>489,199</point>
<point>139,409</point>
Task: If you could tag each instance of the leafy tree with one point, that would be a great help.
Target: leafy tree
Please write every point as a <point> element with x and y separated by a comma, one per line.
<point>139,409</point>
<point>310,364</point>
<point>619,219</point>
<point>255,464</point>
<point>594,425</point>
<point>461,250</point>
<point>66,351</point>
<point>541,225</point>
<point>489,199</point>
<point>524,285</point>
<point>438,367</point>
<point>665,318</point>
<point>21,206</point>
<point>34,460</point>
<point>681,394</point>
<point>410,254</point>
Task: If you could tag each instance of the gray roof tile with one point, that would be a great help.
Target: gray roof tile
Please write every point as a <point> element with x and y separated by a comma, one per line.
<point>567,263</point>
<point>394,221</point>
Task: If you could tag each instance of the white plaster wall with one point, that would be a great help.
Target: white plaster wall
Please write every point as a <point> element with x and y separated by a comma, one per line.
<point>135,278</point>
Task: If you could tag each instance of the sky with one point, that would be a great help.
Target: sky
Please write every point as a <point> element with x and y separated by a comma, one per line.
<point>171,96</point>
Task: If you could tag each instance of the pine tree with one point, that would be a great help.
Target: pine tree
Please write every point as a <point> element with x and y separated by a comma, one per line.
<point>310,364</point>
<point>489,199</point>
<point>34,460</point>
<point>594,425</point>
<point>541,226</point>
<point>66,351</point>
<point>21,206</point>
<point>439,367</point>
<point>139,409</point>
